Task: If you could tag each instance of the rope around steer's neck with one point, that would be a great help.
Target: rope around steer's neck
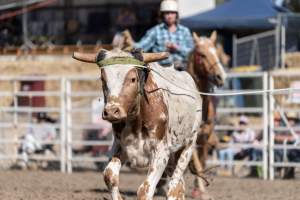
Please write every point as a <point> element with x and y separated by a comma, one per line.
<point>120,60</point>
<point>141,65</point>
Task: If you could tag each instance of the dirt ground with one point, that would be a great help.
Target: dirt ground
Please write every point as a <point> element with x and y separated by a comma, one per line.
<point>38,185</point>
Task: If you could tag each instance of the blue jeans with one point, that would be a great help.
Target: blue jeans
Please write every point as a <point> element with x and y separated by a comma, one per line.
<point>226,155</point>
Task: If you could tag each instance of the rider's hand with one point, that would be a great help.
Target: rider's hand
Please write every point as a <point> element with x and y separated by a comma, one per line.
<point>172,46</point>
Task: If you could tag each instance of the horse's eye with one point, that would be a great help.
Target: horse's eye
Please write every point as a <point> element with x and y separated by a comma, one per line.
<point>133,80</point>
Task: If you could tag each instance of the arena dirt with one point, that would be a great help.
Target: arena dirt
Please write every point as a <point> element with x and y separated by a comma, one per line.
<point>29,185</point>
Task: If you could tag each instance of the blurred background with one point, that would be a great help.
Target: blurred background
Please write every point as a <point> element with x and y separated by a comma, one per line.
<point>259,38</point>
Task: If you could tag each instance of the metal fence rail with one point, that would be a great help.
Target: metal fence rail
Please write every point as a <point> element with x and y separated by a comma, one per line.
<point>260,110</point>
<point>15,110</point>
<point>71,126</point>
<point>286,127</point>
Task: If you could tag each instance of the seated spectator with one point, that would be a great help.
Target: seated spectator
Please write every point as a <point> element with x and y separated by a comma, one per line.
<point>244,135</point>
<point>227,152</point>
<point>33,140</point>
<point>292,155</point>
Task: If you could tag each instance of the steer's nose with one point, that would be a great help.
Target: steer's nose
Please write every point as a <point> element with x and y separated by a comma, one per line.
<point>113,113</point>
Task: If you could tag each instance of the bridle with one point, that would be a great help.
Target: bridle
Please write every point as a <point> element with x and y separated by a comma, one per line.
<point>209,78</point>
<point>198,57</point>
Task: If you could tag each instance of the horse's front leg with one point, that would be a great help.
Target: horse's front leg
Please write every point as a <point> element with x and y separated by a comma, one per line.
<point>158,164</point>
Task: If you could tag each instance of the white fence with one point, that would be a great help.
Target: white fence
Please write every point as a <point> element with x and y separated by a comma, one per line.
<point>14,117</point>
<point>283,103</point>
<point>73,110</point>
<point>258,109</point>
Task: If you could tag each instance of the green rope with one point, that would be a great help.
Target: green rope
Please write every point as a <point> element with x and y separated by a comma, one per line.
<point>120,60</point>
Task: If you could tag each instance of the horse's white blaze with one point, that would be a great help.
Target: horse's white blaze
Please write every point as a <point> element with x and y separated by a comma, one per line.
<point>213,51</point>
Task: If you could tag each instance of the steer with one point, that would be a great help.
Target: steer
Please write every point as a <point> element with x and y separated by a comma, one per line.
<point>155,113</point>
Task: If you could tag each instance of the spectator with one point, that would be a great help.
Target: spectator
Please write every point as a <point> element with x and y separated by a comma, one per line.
<point>33,141</point>
<point>244,135</point>
<point>292,155</point>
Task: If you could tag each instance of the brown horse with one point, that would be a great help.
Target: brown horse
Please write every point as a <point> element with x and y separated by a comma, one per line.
<point>206,68</point>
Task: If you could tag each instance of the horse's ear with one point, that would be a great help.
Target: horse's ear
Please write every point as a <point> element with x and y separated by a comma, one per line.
<point>213,37</point>
<point>196,37</point>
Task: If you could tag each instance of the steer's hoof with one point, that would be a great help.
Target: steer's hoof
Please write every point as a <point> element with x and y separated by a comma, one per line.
<point>197,194</point>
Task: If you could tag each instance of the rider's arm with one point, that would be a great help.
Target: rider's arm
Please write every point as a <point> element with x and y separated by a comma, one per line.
<point>147,42</point>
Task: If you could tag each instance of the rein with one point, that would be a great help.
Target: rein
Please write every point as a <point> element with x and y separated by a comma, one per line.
<point>197,63</point>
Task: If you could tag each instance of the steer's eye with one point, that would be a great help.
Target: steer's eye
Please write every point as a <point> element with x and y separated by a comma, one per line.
<point>133,80</point>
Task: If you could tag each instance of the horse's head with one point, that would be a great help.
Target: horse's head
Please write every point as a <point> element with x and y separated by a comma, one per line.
<point>206,61</point>
<point>123,75</point>
<point>123,40</point>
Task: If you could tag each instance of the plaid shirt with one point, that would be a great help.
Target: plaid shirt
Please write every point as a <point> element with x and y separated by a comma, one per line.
<point>156,38</point>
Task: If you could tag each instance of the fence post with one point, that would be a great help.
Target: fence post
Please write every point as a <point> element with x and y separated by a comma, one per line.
<point>69,125</point>
<point>277,43</point>
<point>271,129</point>
<point>62,125</point>
<point>15,99</point>
<point>234,48</point>
<point>283,41</point>
<point>265,127</point>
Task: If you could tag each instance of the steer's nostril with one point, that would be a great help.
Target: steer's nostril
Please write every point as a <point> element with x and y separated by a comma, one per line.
<point>105,113</point>
<point>117,111</point>
<point>219,77</point>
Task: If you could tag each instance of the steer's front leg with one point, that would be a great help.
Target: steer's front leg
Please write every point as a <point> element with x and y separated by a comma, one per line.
<point>111,177</point>
<point>158,164</point>
<point>176,185</point>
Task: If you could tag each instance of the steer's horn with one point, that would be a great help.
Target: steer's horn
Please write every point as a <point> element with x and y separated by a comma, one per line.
<point>85,57</point>
<point>153,57</point>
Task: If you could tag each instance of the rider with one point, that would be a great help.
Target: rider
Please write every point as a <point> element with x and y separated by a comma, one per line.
<point>168,36</point>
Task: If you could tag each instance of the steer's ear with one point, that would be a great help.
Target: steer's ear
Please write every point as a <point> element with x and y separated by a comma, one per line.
<point>154,57</point>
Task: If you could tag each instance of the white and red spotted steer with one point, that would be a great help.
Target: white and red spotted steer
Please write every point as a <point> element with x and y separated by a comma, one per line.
<point>155,123</point>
